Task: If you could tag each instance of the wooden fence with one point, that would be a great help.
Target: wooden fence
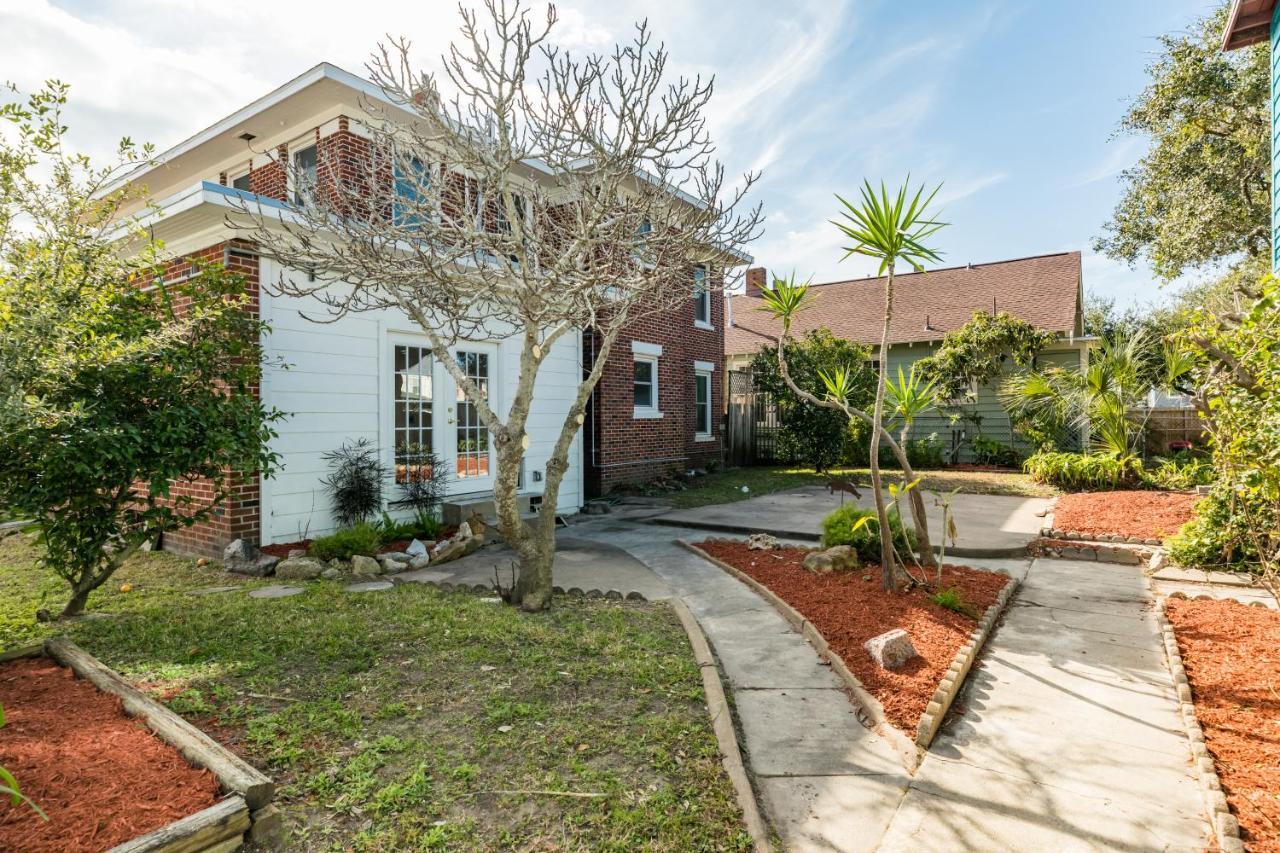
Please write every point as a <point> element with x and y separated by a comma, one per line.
<point>1166,427</point>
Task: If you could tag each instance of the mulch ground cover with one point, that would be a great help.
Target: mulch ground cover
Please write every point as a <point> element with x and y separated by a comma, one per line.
<point>101,777</point>
<point>1232,656</point>
<point>1147,515</point>
<point>849,608</point>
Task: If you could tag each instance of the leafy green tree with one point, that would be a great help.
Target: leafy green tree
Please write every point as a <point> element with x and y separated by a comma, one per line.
<point>114,384</point>
<point>1202,191</point>
<point>975,354</point>
<point>1238,376</point>
<point>812,434</point>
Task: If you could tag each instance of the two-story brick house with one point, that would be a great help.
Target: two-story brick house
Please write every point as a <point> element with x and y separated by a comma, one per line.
<point>372,375</point>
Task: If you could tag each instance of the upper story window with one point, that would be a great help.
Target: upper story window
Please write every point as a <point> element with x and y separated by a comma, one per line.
<point>304,173</point>
<point>701,298</point>
<point>412,180</point>
<point>242,182</point>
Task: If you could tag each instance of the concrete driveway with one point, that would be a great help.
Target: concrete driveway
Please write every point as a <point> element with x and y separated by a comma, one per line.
<point>986,525</point>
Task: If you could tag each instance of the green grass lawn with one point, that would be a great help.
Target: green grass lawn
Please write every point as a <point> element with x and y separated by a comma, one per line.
<point>726,486</point>
<point>397,720</point>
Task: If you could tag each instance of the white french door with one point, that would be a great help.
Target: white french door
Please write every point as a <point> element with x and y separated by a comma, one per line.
<point>469,444</point>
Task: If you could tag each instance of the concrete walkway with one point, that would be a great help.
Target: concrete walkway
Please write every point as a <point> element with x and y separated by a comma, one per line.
<point>987,525</point>
<point>826,782</point>
<point>1070,737</point>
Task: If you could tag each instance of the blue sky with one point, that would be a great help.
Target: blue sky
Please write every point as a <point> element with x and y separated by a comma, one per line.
<point>1010,103</point>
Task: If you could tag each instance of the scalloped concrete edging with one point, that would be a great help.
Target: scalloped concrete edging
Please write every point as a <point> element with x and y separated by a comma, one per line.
<point>1226,828</point>
<point>908,750</point>
<point>722,724</point>
<point>575,592</point>
<point>951,683</point>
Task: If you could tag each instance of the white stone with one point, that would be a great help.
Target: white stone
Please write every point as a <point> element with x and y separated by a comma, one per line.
<point>891,649</point>
<point>416,549</point>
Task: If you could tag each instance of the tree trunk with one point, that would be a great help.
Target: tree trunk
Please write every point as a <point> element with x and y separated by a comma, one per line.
<point>888,574</point>
<point>532,589</point>
<point>88,583</point>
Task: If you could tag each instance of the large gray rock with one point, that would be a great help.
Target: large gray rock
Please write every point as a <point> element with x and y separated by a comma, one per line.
<point>416,549</point>
<point>393,563</point>
<point>891,649</point>
<point>762,542</point>
<point>838,558</point>
<point>421,561</point>
<point>819,563</point>
<point>365,567</point>
<point>244,558</point>
<point>300,568</point>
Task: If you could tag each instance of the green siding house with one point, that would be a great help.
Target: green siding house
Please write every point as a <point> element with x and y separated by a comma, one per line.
<point>1045,291</point>
<point>1251,22</point>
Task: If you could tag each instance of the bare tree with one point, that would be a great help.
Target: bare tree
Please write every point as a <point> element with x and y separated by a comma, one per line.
<point>541,195</point>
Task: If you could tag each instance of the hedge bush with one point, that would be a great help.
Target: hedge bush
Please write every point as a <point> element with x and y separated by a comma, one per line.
<point>838,529</point>
<point>361,539</point>
<point>1085,472</point>
<point>1217,536</point>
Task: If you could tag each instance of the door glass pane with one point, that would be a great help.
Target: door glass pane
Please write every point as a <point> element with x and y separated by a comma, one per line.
<point>412,403</point>
<point>473,438</point>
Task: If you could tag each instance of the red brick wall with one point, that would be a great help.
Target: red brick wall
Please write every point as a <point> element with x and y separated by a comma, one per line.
<point>239,516</point>
<point>622,449</point>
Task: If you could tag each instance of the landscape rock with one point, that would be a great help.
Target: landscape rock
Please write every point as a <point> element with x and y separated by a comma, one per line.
<point>844,557</point>
<point>421,561</point>
<point>819,563</point>
<point>416,549</point>
<point>762,542</point>
<point>244,558</point>
<point>299,569</point>
<point>397,556</point>
<point>362,566</point>
<point>332,574</point>
<point>891,649</point>
<point>391,563</point>
<point>297,552</point>
<point>464,531</point>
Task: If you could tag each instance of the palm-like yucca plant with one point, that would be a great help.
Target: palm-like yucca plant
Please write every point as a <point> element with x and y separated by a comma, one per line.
<point>784,301</point>
<point>909,398</point>
<point>1102,399</point>
<point>893,229</point>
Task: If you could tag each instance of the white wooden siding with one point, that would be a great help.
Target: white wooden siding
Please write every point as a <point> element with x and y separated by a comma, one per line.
<point>336,386</point>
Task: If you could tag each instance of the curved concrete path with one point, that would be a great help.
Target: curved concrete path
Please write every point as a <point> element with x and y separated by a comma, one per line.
<point>1067,736</point>
<point>986,525</point>
<point>826,781</point>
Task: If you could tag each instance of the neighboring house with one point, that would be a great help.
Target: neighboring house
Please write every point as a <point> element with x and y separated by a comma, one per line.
<point>1045,291</point>
<point>372,375</point>
<point>1251,22</point>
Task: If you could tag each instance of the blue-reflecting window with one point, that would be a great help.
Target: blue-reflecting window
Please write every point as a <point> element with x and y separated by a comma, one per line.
<point>412,181</point>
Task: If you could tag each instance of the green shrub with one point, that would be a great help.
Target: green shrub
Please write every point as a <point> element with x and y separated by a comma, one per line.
<point>1215,536</point>
<point>363,539</point>
<point>1179,473</point>
<point>838,528</point>
<point>953,599</point>
<point>925,452</point>
<point>988,451</point>
<point>1087,472</point>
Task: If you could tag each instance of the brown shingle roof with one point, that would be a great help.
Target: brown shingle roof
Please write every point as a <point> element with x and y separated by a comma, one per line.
<point>1042,290</point>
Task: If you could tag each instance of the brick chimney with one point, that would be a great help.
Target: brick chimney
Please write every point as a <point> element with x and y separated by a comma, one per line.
<point>756,280</point>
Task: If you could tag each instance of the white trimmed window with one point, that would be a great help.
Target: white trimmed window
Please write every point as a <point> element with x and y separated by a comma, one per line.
<point>645,385</point>
<point>701,298</point>
<point>303,174</point>
<point>702,417</point>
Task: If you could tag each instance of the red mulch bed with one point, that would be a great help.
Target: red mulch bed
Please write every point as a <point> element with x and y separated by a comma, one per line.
<point>282,550</point>
<point>101,777</point>
<point>848,611</point>
<point>1232,655</point>
<point>1149,515</point>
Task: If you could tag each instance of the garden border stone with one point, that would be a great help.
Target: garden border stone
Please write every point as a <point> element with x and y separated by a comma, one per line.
<point>949,687</point>
<point>722,724</point>
<point>1226,828</point>
<point>1102,551</point>
<point>220,827</point>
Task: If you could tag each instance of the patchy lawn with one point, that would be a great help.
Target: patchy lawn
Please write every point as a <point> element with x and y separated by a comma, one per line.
<point>1232,655</point>
<point>726,486</point>
<point>1142,514</point>
<point>415,719</point>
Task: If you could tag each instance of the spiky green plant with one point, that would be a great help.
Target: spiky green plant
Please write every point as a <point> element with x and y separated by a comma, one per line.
<point>910,397</point>
<point>892,229</point>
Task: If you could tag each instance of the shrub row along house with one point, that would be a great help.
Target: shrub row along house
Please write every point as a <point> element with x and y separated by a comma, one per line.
<point>1045,291</point>
<point>373,376</point>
